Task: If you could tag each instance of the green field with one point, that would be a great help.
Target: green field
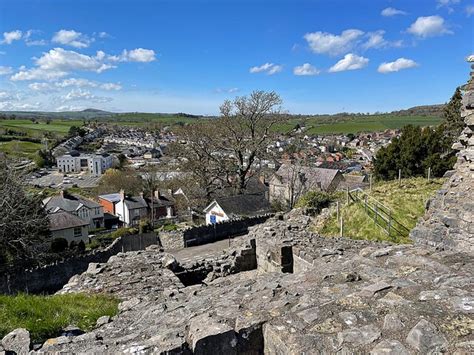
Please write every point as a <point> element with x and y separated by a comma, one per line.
<point>373,123</point>
<point>407,202</point>
<point>45,316</point>
<point>60,127</point>
<point>20,149</point>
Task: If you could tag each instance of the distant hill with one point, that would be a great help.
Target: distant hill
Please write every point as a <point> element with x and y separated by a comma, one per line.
<point>426,110</point>
<point>96,114</point>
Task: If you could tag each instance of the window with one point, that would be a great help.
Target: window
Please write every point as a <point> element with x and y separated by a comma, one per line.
<point>77,232</point>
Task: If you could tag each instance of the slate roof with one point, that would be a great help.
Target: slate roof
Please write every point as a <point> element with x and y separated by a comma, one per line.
<point>111,197</point>
<point>315,176</point>
<point>69,203</point>
<point>243,205</point>
<point>134,202</point>
<point>64,220</point>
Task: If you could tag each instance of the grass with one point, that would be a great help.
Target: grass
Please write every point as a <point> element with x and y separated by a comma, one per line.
<point>45,316</point>
<point>407,202</point>
<point>60,127</point>
<point>373,123</point>
<point>20,149</point>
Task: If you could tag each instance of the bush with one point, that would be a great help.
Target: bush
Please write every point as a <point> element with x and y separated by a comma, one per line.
<point>58,245</point>
<point>315,201</point>
<point>145,227</point>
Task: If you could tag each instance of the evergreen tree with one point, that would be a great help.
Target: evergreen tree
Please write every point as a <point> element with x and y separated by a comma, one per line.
<point>452,113</point>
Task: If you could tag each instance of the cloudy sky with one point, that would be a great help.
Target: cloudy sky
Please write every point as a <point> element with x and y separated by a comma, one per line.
<point>322,56</point>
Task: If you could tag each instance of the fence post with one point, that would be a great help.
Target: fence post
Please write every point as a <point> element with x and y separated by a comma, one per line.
<point>399,176</point>
<point>429,174</point>
<point>341,233</point>
<point>337,210</point>
<point>370,182</point>
<point>389,221</point>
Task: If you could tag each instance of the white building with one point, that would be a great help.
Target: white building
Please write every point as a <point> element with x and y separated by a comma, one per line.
<point>93,164</point>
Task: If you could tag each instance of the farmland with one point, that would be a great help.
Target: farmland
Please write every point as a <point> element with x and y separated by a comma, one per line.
<point>372,123</point>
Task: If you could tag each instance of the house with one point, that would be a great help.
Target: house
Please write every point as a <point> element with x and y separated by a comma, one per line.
<point>236,207</point>
<point>68,226</point>
<point>292,180</point>
<point>88,210</point>
<point>129,209</point>
<point>94,164</point>
<point>152,154</point>
<point>160,206</point>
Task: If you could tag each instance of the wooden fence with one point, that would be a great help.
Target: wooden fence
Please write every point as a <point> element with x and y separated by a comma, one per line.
<point>380,214</point>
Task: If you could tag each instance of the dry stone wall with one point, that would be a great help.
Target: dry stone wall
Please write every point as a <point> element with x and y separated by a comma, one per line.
<point>449,219</point>
<point>51,278</point>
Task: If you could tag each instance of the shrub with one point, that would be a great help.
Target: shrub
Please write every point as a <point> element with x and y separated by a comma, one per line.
<point>58,245</point>
<point>314,201</point>
<point>145,227</point>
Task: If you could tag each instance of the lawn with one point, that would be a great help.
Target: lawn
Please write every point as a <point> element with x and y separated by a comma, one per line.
<point>45,316</point>
<point>20,149</point>
<point>407,202</point>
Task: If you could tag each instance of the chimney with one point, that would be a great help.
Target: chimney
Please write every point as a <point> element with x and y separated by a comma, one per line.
<point>122,194</point>
<point>61,193</point>
<point>157,194</point>
<point>141,194</point>
<point>261,178</point>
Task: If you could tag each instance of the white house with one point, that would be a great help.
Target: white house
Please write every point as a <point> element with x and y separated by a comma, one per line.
<point>129,209</point>
<point>235,207</point>
<point>93,164</point>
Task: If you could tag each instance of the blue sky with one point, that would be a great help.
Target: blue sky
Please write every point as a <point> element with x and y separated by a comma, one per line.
<point>321,56</point>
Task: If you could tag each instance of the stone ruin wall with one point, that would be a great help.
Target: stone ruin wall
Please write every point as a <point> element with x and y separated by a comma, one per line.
<point>449,219</point>
<point>53,277</point>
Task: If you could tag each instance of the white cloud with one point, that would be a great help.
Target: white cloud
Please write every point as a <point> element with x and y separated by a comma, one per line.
<point>58,62</point>
<point>63,108</point>
<point>5,70</point>
<point>15,101</point>
<point>135,55</point>
<point>37,74</point>
<point>447,3</point>
<point>29,41</point>
<point>74,82</point>
<point>9,37</point>
<point>328,43</point>
<point>429,26</point>
<point>268,68</point>
<point>103,35</point>
<point>390,11</point>
<point>227,91</point>
<point>72,38</point>
<point>84,95</point>
<point>350,62</point>
<point>469,10</point>
<point>306,70</point>
<point>399,64</point>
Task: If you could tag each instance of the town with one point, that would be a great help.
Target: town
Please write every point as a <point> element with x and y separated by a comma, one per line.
<point>237,178</point>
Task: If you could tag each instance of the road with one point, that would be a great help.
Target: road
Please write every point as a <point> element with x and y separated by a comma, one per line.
<point>210,250</point>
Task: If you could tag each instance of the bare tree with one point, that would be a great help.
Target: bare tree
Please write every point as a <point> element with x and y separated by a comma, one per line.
<point>244,130</point>
<point>24,224</point>
<point>200,156</point>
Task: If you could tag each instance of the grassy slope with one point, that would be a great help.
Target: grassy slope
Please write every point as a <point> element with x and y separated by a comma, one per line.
<point>20,149</point>
<point>46,316</point>
<point>407,202</point>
